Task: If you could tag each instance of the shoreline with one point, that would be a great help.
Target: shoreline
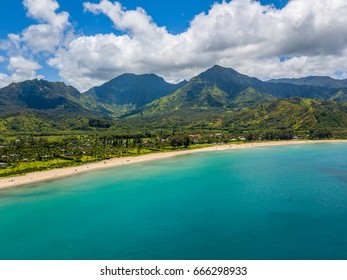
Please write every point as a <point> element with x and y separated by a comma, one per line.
<point>59,173</point>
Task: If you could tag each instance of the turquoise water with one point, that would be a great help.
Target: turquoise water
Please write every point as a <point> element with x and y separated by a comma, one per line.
<point>287,202</point>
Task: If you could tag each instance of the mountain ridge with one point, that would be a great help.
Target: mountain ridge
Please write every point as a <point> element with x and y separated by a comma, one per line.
<point>129,92</point>
<point>320,81</point>
<point>220,86</point>
<point>148,100</point>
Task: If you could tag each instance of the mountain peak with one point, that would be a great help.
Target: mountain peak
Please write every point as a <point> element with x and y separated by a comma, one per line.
<point>40,95</point>
<point>228,79</point>
<point>219,68</point>
<point>227,73</point>
<point>130,91</point>
<point>132,75</point>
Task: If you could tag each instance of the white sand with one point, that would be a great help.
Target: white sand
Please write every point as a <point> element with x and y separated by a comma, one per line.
<point>54,174</point>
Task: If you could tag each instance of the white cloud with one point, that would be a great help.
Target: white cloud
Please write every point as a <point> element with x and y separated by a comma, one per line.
<point>21,63</point>
<point>44,10</point>
<point>22,69</point>
<point>2,59</point>
<point>50,33</point>
<point>12,45</point>
<point>241,34</point>
<point>18,76</point>
<point>137,22</point>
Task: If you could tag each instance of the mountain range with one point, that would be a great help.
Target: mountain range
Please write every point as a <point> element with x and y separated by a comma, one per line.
<point>318,81</point>
<point>218,97</point>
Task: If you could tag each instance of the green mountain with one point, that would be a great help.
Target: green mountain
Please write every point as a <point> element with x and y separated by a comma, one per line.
<point>40,105</point>
<point>320,87</point>
<point>42,97</point>
<point>250,98</point>
<point>233,82</point>
<point>217,87</point>
<point>127,92</point>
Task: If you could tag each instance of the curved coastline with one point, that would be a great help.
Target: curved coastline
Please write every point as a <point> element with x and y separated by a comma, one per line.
<point>54,174</point>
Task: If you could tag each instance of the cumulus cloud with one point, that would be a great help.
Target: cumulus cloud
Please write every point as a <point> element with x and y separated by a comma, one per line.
<point>21,69</point>
<point>303,38</point>
<point>21,63</point>
<point>51,32</point>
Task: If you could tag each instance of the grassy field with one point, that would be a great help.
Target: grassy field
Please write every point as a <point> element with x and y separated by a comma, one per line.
<point>26,167</point>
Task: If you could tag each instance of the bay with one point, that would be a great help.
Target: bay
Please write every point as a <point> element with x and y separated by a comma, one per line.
<point>272,203</point>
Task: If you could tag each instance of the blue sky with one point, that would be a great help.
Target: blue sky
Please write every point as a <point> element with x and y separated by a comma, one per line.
<point>175,15</point>
<point>87,43</point>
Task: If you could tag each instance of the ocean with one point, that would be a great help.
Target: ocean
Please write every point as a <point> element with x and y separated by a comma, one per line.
<point>266,203</point>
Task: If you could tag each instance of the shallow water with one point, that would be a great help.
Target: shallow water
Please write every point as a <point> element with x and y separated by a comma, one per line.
<point>286,202</point>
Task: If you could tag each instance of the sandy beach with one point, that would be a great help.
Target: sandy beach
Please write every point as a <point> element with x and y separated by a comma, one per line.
<point>55,174</point>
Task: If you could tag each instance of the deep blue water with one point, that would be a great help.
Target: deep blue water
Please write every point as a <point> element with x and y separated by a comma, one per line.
<point>287,202</point>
